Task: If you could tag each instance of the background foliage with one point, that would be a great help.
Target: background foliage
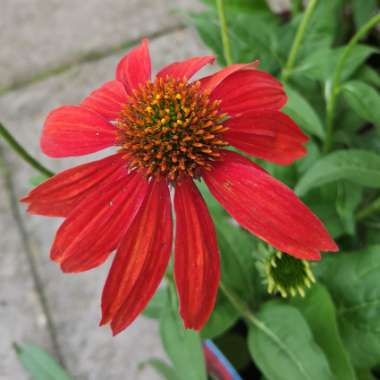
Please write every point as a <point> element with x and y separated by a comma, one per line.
<point>331,76</point>
<point>332,333</point>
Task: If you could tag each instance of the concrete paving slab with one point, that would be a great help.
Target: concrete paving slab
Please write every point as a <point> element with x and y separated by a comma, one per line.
<point>90,351</point>
<point>40,34</point>
<point>21,316</point>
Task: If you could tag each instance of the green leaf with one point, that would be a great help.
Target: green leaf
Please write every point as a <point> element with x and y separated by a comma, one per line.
<point>321,64</point>
<point>365,374</point>
<point>157,304</point>
<point>369,75</point>
<point>238,269</point>
<point>358,166</point>
<point>238,272</point>
<point>183,346</point>
<point>353,280</point>
<point>283,347</point>
<point>303,114</point>
<point>233,274</point>
<point>242,5</point>
<point>308,160</point>
<point>363,11</point>
<point>162,368</point>
<point>319,311</point>
<point>207,26</point>
<point>247,43</point>
<point>348,199</point>
<point>364,100</point>
<point>326,211</point>
<point>39,363</point>
<point>222,318</point>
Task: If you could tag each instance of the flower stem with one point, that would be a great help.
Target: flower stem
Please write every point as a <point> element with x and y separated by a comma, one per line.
<point>224,32</point>
<point>298,39</point>
<point>239,305</point>
<point>335,86</point>
<point>5,134</point>
<point>369,210</point>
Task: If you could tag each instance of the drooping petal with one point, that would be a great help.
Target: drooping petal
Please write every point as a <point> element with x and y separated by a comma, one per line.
<point>75,131</point>
<point>59,195</point>
<point>268,209</point>
<point>135,67</point>
<point>249,90</point>
<point>186,68</point>
<point>270,135</point>
<point>107,100</point>
<point>196,261</point>
<point>95,227</point>
<point>140,261</point>
<point>210,82</point>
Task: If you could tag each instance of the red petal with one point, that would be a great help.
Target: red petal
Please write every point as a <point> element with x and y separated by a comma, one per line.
<point>226,155</point>
<point>270,135</point>
<point>95,227</point>
<point>196,261</point>
<point>249,90</point>
<point>135,68</point>
<point>141,260</point>
<point>268,209</point>
<point>59,195</point>
<point>107,100</point>
<point>185,68</point>
<point>74,131</point>
<point>209,83</point>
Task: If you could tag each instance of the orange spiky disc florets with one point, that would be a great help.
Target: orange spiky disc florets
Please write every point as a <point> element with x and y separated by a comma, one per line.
<point>171,128</point>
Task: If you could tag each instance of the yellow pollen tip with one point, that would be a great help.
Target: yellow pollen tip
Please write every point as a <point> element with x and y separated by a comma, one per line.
<point>170,129</point>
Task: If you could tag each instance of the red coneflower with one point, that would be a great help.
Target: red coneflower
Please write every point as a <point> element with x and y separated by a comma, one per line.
<point>168,133</point>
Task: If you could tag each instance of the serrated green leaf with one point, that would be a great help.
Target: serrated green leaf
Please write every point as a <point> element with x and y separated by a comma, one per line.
<point>364,100</point>
<point>353,281</point>
<point>303,113</point>
<point>183,346</point>
<point>39,364</point>
<point>162,368</point>
<point>319,311</point>
<point>358,166</point>
<point>283,347</point>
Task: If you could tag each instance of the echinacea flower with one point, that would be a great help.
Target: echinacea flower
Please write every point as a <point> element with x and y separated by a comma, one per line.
<point>169,132</point>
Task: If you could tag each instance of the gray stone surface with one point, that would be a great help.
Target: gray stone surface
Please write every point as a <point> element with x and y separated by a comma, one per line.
<point>21,316</point>
<point>40,34</point>
<point>90,352</point>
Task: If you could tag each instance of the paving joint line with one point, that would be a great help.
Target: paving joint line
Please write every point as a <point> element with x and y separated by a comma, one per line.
<point>30,255</point>
<point>91,56</point>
